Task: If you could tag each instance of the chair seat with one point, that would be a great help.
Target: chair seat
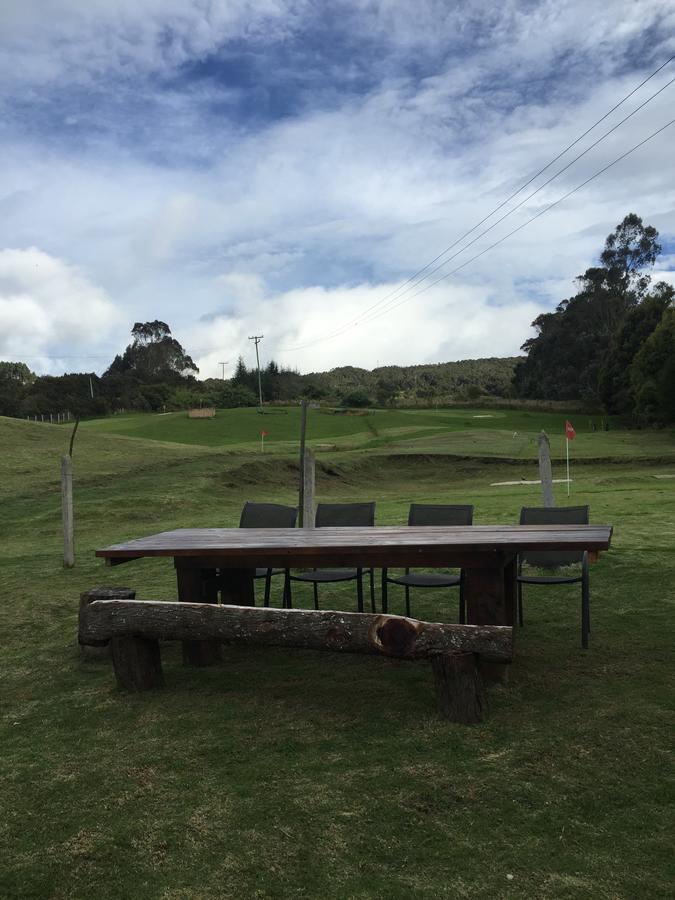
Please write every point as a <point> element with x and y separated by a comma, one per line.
<point>425,579</point>
<point>326,575</point>
<point>262,573</point>
<point>549,579</point>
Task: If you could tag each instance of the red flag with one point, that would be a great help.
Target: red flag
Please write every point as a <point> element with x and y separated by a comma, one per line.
<point>570,433</point>
<point>263,434</point>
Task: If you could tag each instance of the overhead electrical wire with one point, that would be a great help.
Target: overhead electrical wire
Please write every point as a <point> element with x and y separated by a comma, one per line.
<point>528,222</point>
<point>414,280</point>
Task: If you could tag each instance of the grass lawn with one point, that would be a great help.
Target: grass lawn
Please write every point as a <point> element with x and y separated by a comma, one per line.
<point>300,774</point>
<point>464,432</point>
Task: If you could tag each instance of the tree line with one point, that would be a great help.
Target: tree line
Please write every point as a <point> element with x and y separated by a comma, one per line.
<point>609,347</point>
<point>612,344</point>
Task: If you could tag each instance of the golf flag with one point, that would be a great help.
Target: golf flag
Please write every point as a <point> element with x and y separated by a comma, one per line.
<point>570,434</point>
<point>263,434</point>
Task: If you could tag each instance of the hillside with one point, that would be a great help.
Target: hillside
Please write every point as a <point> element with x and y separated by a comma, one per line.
<point>438,382</point>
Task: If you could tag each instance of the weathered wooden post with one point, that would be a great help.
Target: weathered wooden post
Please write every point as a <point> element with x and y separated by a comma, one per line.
<point>303,433</point>
<point>67,511</point>
<point>67,502</point>
<point>309,483</point>
<point>545,469</point>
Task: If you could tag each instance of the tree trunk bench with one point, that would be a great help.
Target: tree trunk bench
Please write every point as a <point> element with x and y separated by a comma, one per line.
<point>135,627</point>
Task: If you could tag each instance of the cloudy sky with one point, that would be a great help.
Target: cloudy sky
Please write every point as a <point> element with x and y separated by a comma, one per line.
<point>283,167</point>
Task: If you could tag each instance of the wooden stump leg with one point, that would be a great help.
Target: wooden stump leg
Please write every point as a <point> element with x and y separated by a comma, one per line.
<point>137,663</point>
<point>490,596</point>
<point>191,589</point>
<point>460,691</point>
<point>98,650</point>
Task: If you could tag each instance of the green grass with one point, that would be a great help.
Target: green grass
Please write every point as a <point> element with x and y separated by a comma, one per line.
<point>480,432</point>
<point>299,774</point>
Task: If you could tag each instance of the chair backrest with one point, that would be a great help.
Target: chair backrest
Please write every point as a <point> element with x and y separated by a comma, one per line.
<point>440,514</point>
<point>553,515</point>
<point>344,515</point>
<point>267,515</point>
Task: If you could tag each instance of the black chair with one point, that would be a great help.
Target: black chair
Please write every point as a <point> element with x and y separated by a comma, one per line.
<point>338,515</point>
<point>553,559</point>
<point>430,514</point>
<point>268,515</point>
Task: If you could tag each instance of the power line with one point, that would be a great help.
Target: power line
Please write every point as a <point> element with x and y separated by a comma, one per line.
<point>393,305</point>
<point>414,279</point>
<point>528,222</point>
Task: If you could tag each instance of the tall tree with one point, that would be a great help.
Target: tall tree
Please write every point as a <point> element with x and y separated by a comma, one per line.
<point>652,374</point>
<point>154,355</point>
<point>565,357</point>
<point>616,388</point>
<point>15,380</point>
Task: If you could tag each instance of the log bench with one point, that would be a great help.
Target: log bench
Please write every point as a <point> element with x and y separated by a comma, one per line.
<point>134,629</point>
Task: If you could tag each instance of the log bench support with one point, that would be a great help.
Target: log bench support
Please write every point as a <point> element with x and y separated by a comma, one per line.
<point>98,650</point>
<point>135,628</point>
<point>137,663</point>
<point>460,690</point>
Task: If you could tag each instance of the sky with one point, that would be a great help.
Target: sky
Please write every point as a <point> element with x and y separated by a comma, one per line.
<point>284,167</point>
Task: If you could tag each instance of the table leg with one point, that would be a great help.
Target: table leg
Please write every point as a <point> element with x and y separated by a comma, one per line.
<point>191,589</point>
<point>490,597</point>
<point>236,586</point>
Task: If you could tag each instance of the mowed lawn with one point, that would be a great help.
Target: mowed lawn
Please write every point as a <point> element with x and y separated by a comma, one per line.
<point>302,774</point>
<point>464,432</point>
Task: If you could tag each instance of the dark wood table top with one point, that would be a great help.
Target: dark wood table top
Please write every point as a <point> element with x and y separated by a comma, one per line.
<point>402,544</point>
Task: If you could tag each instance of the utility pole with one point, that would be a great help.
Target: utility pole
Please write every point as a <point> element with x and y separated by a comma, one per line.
<point>223,364</point>
<point>91,388</point>
<point>256,338</point>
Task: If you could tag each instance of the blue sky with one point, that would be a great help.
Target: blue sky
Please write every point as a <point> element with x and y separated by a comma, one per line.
<point>281,167</point>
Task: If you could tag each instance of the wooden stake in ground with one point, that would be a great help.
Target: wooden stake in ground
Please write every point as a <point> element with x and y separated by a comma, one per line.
<point>67,511</point>
<point>545,469</point>
<point>308,485</point>
<point>303,434</point>
<point>67,503</point>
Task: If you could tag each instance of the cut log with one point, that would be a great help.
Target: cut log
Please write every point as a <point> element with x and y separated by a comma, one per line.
<point>98,649</point>
<point>460,691</point>
<point>310,629</point>
<point>137,663</point>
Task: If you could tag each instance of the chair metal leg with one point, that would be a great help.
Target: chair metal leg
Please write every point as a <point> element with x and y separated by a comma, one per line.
<point>372,590</point>
<point>385,599</point>
<point>316,595</point>
<point>407,601</point>
<point>520,595</point>
<point>462,601</point>
<point>359,590</point>
<point>268,587</point>
<point>287,599</point>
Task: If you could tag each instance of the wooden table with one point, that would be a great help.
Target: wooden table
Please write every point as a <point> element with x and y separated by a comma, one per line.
<point>486,553</point>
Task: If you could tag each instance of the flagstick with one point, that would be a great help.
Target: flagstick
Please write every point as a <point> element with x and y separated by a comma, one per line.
<point>567,442</point>
<point>262,443</point>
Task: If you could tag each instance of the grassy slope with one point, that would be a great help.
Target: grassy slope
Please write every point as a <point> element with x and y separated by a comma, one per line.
<point>507,433</point>
<point>300,774</point>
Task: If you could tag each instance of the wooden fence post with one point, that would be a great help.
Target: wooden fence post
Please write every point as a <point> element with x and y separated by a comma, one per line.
<point>303,433</point>
<point>545,469</point>
<point>309,483</point>
<point>67,511</point>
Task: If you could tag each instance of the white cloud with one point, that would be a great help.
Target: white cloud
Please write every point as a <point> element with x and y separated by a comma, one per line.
<point>45,303</point>
<point>298,224</point>
<point>456,323</point>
